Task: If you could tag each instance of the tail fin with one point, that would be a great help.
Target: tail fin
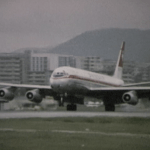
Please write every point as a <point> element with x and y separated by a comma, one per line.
<point>119,65</point>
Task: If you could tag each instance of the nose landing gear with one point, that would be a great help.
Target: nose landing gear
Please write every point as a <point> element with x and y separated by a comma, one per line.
<point>61,102</point>
<point>71,107</point>
<point>65,98</point>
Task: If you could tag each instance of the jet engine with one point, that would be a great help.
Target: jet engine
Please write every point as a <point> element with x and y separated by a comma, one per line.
<point>7,94</point>
<point>34,96</point>
<point>130,98</point>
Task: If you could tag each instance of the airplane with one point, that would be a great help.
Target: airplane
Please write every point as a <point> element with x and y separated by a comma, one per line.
<point>71,85</point>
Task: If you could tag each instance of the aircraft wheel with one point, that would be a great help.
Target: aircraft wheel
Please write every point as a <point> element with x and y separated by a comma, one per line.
<point>71,107</point>
<point>68,107</point>
<point>110,107</point>
<point>61,102</point>
<point>74,107</point>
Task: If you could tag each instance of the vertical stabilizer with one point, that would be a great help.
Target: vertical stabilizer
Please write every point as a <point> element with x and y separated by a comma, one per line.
<point>119,65</point>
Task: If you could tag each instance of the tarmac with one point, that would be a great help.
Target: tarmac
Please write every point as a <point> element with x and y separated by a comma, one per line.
<point>54,114</point>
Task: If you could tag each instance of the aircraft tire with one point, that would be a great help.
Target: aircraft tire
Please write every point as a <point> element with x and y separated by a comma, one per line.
<point>61,103</point>
<point>110,107</point>
<point>71,107</point>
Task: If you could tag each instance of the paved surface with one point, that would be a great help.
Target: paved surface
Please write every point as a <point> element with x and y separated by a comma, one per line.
<point>7,115</point>
<point>78,132</point>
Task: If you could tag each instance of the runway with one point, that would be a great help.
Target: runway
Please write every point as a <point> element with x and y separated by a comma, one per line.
<point>46,114</point>
<point>76,132</point>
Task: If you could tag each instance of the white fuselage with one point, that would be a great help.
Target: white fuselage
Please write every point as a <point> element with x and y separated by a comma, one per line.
<point>72,80</point>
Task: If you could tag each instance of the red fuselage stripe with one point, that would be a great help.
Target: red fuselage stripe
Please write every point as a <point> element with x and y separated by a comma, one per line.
<point>87,79</point>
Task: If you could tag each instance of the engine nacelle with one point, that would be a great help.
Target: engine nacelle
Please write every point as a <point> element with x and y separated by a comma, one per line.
<point>7,94</point>
<point>130,98</point>
<point>34,96</point>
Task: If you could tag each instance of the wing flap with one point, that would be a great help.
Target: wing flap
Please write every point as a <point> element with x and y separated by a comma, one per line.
<point>25,86</point>
<point>115,92</point>
<point>137,84</point>
<point>118,88</point>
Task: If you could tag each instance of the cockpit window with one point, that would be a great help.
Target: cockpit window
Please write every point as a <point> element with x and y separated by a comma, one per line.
<point>59,74</point>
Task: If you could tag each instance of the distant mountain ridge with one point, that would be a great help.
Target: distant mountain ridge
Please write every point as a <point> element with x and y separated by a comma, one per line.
<point>106,44</point>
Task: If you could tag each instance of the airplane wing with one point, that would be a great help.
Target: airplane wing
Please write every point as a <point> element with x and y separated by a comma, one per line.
<point>25,86</point>
<point>119,88</point>
<point>106,91</point>
<point>141,84</point>
<point>35,93</point>
<point>117,95</point>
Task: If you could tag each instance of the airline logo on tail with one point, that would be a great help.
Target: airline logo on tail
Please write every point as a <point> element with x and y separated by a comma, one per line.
<point>121,55</point>
<point>119,65</point>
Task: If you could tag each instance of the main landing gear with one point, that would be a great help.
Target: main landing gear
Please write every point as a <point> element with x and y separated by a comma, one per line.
<point>109,107</point>
<point>61,102</point>
<point>71,107</point>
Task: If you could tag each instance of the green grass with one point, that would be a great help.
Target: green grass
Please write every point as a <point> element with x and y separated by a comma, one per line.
<point>45,139</point>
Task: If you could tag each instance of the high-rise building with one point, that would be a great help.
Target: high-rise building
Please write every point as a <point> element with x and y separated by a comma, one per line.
<point>43,64</point>
<point>142,72</point>
<point>35,68</point>
<point>91,63</point>
<point>13,67</point>
<point>128,71</point>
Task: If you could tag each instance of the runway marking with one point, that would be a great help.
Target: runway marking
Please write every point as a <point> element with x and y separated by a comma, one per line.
<point>18,130</point>
<point>13,115</point>
<point>102,133</point>
<point>77,132</point>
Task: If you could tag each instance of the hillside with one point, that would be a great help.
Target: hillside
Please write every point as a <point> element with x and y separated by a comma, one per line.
<point>106,44</point>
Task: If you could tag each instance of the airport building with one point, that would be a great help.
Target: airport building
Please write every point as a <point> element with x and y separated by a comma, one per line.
<point>43,64</point>
<point>109,67</point>
<point>142,72</point>
<point>129,71</point>
<point>91,63</point>
<point>38,72</point>
<point>14,67</point>
<point>32,67</point>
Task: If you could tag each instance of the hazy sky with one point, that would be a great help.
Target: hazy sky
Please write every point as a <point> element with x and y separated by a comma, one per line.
<point>42,23</point>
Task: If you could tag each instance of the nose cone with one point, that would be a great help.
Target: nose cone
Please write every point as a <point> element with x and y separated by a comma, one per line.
<point>55,85</point>
<point>59,85</point>
<point>51,82</point>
